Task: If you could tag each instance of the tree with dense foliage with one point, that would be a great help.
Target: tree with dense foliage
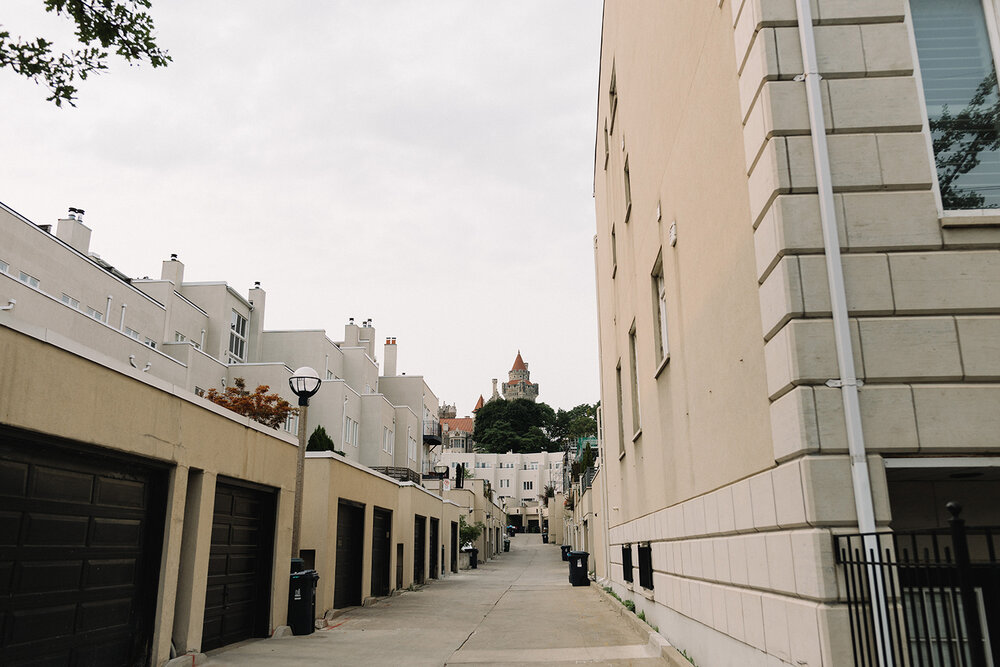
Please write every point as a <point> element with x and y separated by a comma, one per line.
<point>468,534</point>
<point>519,426</point>
<point>268,409</point>
<point>121,25</point>
<point>579,422</point>
<point>319,441</point>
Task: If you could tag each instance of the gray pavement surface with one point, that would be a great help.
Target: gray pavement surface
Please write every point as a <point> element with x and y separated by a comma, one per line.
<point>518,609</point>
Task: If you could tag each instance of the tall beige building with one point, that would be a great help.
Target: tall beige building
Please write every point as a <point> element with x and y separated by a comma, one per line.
<point>798,307</point>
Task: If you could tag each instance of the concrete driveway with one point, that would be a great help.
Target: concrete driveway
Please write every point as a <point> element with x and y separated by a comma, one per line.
<point>517,609</point>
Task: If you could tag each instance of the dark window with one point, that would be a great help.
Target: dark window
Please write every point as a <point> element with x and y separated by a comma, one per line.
<point>627,562</point>
<point>646,566</point>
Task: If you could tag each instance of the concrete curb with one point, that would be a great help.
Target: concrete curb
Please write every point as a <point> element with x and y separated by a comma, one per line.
<point>187,660</point>
<point>657,642</point>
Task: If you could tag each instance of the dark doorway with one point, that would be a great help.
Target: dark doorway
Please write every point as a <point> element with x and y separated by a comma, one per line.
<point>454,546</point>
<point>350,554</point>
<point>419,545</point>
<point>517,521</point>
<point>80,543</point>
<point>238,596</point>
<point>399,566</point>
<point>381,545</point>
<point>434,549</point>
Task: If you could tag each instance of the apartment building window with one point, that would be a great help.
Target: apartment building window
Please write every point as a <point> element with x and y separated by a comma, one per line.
<point>621,412</point>
<point>387,441</point>
<point>28,279</point>
<point>646,566</point>
<point>149,342</point>
<point>96,314</point>
<point>69,301</point>
<point>198,391</point>
<point>329,375</point>
<point>411,448</point>
<point>957,70</point>
<point>613,98</point>
<point>607,146</point>
<point>132,333</point>
<point>660,312</point>
<point>237,338</point>
<point>354,433</point>
<point>179,337</point>
<point>4,266</point>
<point>614,252</point>
<point>528,486</point>
<point>634,378</point>
<point>628,190</point>
<point>627,562</point>
<point>504,483</point>
<point>291,424</point>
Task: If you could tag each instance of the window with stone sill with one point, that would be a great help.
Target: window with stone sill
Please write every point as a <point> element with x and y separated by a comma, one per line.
<point>627,562</point>
<point>4,266</point>
<point>646,566</point>
<point>957,42</point>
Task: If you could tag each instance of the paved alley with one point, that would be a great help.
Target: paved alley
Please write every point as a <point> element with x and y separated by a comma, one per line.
<point>518,609</point>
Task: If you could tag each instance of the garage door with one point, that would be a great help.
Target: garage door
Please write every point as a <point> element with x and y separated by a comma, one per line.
<point>80,544</point>
<point>238,597</point>
<point>381,544</point>
<point>419,535</point>
<point>350,554</point>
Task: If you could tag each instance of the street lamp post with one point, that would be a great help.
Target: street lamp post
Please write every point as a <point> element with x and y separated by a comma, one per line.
<point>304,383</point>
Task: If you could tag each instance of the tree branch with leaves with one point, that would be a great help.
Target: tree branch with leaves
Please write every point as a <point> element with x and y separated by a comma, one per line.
<point>122,26</point>
<point>268,409</point>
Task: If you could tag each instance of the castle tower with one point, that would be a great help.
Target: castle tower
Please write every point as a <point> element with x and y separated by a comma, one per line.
<point>519,384</point>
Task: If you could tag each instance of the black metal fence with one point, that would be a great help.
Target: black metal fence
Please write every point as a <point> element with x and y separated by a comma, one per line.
<point>923,598</point>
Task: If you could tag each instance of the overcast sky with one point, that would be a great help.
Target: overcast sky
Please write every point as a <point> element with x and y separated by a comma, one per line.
<point>427,164</point>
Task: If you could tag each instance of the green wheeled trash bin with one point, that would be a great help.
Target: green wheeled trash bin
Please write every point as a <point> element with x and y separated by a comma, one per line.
<point>302,602</point>
<point>578,568</point>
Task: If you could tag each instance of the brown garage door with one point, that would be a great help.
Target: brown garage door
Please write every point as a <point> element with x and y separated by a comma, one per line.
<point>80,543</point>
<point>238,597</point>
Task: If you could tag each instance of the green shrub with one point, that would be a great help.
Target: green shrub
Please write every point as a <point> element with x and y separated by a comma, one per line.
<point>319,441</point>
<point>642,616</point>
<point>629,605</point>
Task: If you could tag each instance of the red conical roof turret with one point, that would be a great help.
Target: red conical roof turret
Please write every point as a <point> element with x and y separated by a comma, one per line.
<point>479,404</point>
<point>519,363</point>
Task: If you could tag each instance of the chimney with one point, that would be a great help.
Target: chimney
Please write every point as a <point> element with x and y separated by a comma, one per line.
<point>495,388</point>
<point>389,360</point>
<point>257,298</point>
<point>71,230</point>
<point>173,270</point>
<point>351,334</point>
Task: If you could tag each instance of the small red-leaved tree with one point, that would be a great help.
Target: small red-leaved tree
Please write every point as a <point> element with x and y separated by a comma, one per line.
<point>269,409</point>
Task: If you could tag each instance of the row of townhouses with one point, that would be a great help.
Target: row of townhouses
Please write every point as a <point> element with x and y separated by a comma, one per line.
<point>798,285</point>
<point>144,521</point>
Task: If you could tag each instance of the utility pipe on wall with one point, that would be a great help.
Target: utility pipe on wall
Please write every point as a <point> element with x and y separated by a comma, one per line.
<point>848,381</point>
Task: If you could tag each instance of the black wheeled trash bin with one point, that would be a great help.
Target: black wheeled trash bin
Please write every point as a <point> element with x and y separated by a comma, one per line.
<point>578,568</point>
<point>302,602</point>
<point>474,558</point>
<point>565,548</point>
<point>506,544</point>
<point>545,538</point>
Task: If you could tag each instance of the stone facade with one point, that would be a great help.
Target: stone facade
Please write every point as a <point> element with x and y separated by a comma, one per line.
<point>726,446</point>
<point>519,384</point>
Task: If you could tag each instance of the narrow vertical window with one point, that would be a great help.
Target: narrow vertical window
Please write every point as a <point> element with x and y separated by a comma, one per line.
<point>607,144</point>
<point>628,191</point>
<point>621,411</point>
<point>614,252</point>
<point>645,566</point>
<point>237,338</point>
<point>627,562</point>
<point>613,98</point>
<point>634,377</point>
<point>660,311</point>
<point>960,89</point>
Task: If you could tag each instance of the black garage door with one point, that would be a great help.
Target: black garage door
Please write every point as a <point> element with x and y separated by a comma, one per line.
<point>238,597</point>
<point>419,535</point>
<point>80,544</point>
<point>381,544</point>
<point>350,554</point>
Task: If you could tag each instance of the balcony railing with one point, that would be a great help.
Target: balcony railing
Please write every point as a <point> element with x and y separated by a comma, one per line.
<point>432,431</point>
<point>402,474</point>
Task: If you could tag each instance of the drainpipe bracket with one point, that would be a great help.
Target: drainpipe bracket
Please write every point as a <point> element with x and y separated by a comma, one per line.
<point>802,77</point>
<point>844,383</point>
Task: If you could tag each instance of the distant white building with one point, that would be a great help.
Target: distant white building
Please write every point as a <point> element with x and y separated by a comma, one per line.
<point>515,478</point>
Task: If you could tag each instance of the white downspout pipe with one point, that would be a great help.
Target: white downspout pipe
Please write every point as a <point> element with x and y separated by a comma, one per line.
<point>848,381</point>
<point>601,447</point>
